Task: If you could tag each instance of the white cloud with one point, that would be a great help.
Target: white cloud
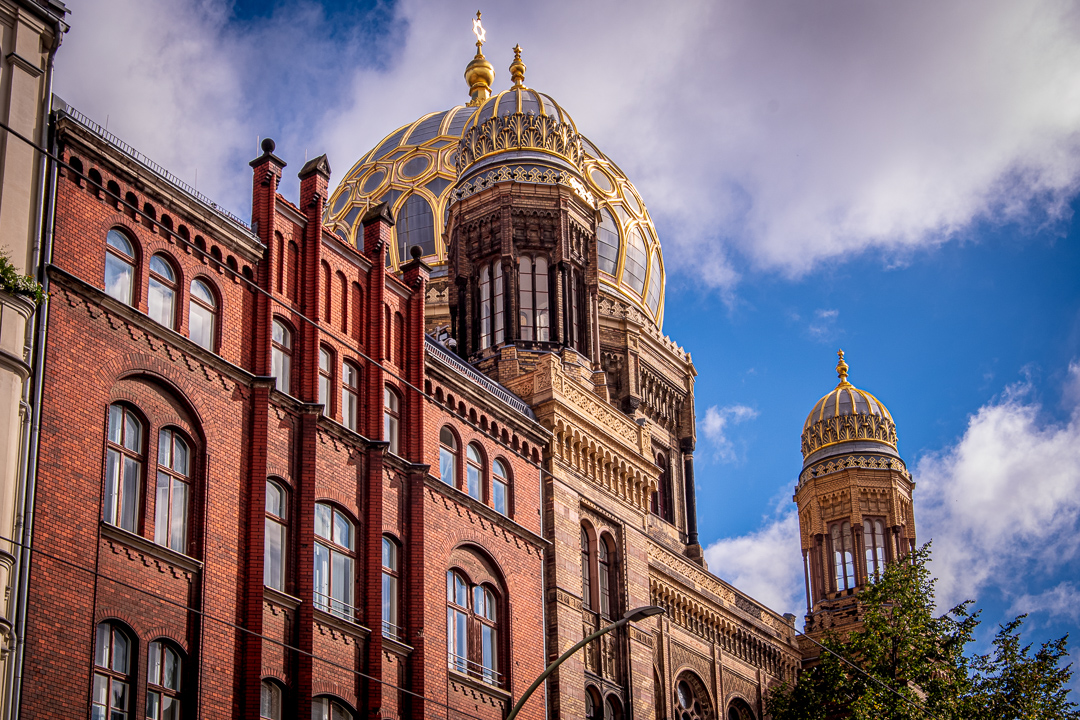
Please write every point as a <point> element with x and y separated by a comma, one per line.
<point>764,564</point>
<point>716,424</point>
<point>1060,601</point>
<point>823,326</point>
<point>1004,501</point>
<point>761,135</point>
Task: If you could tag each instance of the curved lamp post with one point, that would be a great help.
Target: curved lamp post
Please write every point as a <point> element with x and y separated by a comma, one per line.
<point>635,614</point>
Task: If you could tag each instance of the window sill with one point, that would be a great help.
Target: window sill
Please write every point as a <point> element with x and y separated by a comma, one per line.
<point>348,627</point>
<point>280,598</point>
<point>142,545</point>
<point>479,685</point>
<point>396,646</point>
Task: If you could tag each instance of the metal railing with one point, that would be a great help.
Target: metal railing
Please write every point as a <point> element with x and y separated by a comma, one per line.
<point>465,666</point>
<point>478,378</point>
<point>333,606</point>
<point>390,630</point>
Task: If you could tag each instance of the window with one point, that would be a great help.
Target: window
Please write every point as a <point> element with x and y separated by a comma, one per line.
<point>485,307</point>
<point>592,704</point>
<point>612,708</point>
<point>123,468</point>
<point>416,226</point>
<point>202,311</point>
<point>323,708</point>
<point>325,380</point>
<point>162,682</point>
<point>586,575</point>
<point>874,539</point>
<point>270,700</point>
<point>605,576</point>
<point>161,295</point>
<point>662,504</point>
<point>333,561</point>
<point>607,242</point>
<point>474,468</point>
<point>119,267</point>
<point>112,658</point>
<point>634,267</point>
<point>472,629</point>
<point>533,299</point>
<point>390,575</point>
<point>350,395</point>
<point>497,300</point>
<point>281,356</point>
<point>689,706</point>
<point>500,482</point>
<point>391,418</point>
<point>655,283</point>
<point>173,491</point>
<point>843,558</point>
<point>277,513</point>
<point>448,457</point>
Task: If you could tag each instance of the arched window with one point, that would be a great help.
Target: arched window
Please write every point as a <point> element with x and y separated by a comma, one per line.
<point>448,457</point>
<point>123,468</point>
<point>874,539</point>
<point>533,291</point>
<point>163,674</point>
<point>607,242</point>
<point>390,573</point>
<point>281,356</point>
<point>325,380</point>
<point>270,700</point>
<point>391,418</point>
<point>415,226</point>
<point>612,708</point>
<point>498,304</point>
<point>605,575</point>
<point>472,629</point>
<point>592,704</point>
<point>334,554</point>
<point>399,332</point>
<point>662,504</point>
<point>586,570</point>
<point>324,708</point>
<point>173,491</point>
<point>843,556</point>
<point>111,698</point>
<point>688,703</point>
<point>656,283</point>
<point>740,710</point>
<point>161,291</point>
<point>275,537</point>
<point>634,267</point>
<point>492,315</point>
<point>350,395</point>
<point>474,471</point>
<point>202,314</point>
<point>485,307</point>
<point>119,266</point>
<point>500,487</point>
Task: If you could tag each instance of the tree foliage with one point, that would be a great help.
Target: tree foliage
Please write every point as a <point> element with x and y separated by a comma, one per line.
<point>905,663</point>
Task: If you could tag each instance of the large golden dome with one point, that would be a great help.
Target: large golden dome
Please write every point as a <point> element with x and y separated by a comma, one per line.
<point>422,168</point>
<point>847,420</point>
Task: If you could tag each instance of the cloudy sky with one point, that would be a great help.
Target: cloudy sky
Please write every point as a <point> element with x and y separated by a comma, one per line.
<point>897,179</point>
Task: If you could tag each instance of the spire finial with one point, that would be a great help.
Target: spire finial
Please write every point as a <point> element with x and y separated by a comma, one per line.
<point>479,73</point>
<point>517,69</point>
<point>841,367</point>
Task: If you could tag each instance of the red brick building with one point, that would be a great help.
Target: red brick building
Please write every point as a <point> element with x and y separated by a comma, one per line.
<point>262,490</point>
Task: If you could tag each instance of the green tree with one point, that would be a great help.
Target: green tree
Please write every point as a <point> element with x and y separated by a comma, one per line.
<point>906,663</point>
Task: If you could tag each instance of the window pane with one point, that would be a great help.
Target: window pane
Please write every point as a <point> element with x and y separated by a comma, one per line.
<point>116,423</point>
<point>275,500</point>
<point>322,576</point>
<point>525,297</point>
<point>161,508</point>
<point>112,486</point>
<point>607,246</point>
<point>473,481</point>
<point>273,565</point>
<point>415,226</point>
<point>162,267</point>
<point>180,455</point>
<point>541,281</point>
<point>118,278</point>
<point>348,407</point>
<point>132,432</point>
<point>171,675</point>
<point>118,240</point>
<point>101,646</point>
<point>119,652</point>
<point>342,531</point>
<point>200,290</point>
<point>270,701</point>
<point>178,520</point>
<point>129,495</point>
<point>201,326</point>
<point>160,300</point>
<point>498,496</point>
<point>341,583</point>
<point>498,302</point>
<point>446,466</point>
<point>323,514</point>
<point>634,269</point>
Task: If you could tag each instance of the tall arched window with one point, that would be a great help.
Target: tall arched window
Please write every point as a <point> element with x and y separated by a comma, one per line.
<point>605,575</point>
<point>457,618</point>
<point>691,700</point>
<point>874,538</point>
<point>612,708</point>
<point>843,555</point>
<point>163,674</point>
<point>586,570</point>
<point>161,291</point>
<point>324,708</point>
<point>500,487</point>
<point>274,541</point>
<point>655,283</point>
<point>119,266</point>
<point>474,471</point>
<point>111,696</point>
<point>270,700</point>
<point>662,504</point>
<point>535,316</point>
<point>607,242</point>
<point>448,456</point>
<point>350,395</point>
<point>484,609</point>
<point>636,256</point>
<point>281,356</point>
<point>592,704</point>
<point>202,314</point>
<point>415,226</point>
<point>492,311</point>
<point>334,554</point>
<point>173,491</point>
<point>325,379</point>
<point>390,574</point>
<point>485,307</point>
<point>123,468</point>
<point>391,418</point>
<point>472,628</point>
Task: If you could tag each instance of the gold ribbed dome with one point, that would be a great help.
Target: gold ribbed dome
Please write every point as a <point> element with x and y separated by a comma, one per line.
<point>847,420</point>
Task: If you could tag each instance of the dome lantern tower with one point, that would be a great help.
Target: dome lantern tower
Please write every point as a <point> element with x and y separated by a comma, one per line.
<point>855,502</point>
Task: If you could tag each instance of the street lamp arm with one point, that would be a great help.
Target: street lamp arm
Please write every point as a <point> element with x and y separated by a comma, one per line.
<point>632,615</point>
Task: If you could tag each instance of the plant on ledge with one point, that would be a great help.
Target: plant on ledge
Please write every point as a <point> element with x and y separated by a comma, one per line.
<point>16,283</point>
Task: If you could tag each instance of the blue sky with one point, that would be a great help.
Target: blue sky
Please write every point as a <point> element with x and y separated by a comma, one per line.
<point>899,180</point>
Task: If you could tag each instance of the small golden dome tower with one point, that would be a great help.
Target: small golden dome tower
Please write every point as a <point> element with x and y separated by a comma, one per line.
<point>479,73</point>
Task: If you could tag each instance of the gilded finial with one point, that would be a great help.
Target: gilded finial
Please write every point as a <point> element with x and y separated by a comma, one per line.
<point>479,73</point>
<point>841,367</point>
<point>517,69</point>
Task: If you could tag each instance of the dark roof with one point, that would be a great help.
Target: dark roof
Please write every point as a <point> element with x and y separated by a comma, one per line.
<point>467,371</point>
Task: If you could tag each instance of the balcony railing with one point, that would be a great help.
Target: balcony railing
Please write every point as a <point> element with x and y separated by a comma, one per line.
<point>474,669</point>
<point>335,607</point>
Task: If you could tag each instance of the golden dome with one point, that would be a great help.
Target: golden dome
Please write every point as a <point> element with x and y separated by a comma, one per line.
<point>422,168</point>
<point>847,420</point>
